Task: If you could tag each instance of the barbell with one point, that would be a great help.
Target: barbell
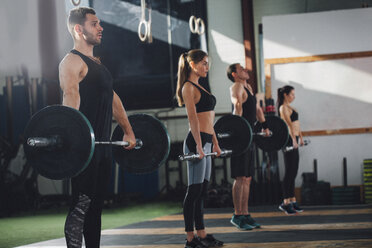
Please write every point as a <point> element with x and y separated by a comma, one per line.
<point>235,133</point>
<point>60,143</point>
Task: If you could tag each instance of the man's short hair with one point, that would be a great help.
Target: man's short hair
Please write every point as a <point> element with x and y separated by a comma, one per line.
<point>230,70</point>
<point>78,16</point>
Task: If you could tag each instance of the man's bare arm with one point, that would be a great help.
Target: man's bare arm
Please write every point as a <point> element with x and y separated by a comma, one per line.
<point>237,100</point>
<point>120,115</point>
<point>70,75</point>
<point>260,114</point>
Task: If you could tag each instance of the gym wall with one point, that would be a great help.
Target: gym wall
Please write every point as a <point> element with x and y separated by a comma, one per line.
<point>19,39</point>
<point>263,8</point>
<point>331,94</point>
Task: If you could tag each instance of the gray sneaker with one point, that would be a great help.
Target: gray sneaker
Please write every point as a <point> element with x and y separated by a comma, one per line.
<point>240,223</point>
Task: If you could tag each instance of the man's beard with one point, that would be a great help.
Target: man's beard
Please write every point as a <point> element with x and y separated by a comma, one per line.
<point>89,38</point>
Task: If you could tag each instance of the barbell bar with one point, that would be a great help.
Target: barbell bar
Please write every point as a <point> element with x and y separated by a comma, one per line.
<point>228,135</point>
<point>193,156</point>
<point>56,140</point>
<point>291,148</point>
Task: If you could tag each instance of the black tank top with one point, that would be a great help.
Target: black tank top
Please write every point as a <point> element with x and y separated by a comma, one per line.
<point>96,95</point>
<point>207,101</point>
<point>249,108</point>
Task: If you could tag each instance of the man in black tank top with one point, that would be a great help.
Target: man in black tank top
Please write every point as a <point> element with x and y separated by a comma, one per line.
<point>87,87</point>
<point>242,166</point>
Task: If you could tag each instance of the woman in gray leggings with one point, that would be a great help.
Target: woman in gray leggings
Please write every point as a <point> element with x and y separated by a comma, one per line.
<point>199,105</point>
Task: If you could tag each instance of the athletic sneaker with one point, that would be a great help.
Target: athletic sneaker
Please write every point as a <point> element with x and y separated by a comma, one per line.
<point>297,207</point>
<point>288,209</point>
<point>250,221</point>
<point>240,223</point>
<point>195,243</point>
<point>211,241</point>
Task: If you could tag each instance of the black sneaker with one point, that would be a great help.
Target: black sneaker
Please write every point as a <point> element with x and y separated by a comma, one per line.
<point>195,243</point>
<point>288,209</point>
<point>250,221</point>
<point>297,207</point>
<point>210,241</point>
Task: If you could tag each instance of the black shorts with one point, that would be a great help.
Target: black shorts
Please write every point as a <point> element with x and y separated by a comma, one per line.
<point>243,165</point>
<point>94,180</point>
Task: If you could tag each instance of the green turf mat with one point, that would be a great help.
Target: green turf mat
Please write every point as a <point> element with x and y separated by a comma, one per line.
<point>45,225</point>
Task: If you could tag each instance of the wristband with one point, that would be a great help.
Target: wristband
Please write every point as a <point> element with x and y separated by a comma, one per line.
<point>264,125</point>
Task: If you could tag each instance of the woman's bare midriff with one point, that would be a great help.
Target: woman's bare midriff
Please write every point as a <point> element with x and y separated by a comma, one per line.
<point>206,122</point>
<point>296,128</point>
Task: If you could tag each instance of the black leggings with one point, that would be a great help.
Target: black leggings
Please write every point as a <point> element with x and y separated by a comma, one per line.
<point>291,161</point>
<point>193,206</point>
<point>88,191</point>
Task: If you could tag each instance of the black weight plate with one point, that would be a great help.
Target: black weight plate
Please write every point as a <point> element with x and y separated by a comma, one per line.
<point>154,151</point>
<point>240,133</point>
<point>279,138</point>
<point>77,146</point>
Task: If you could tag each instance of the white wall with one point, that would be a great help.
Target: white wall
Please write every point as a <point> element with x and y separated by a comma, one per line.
<point>325,32</point>
<point>263,8</point>
<point>331,94</point>
<point>225,46</point>
<point>336,92</point>
<point>19,39</point>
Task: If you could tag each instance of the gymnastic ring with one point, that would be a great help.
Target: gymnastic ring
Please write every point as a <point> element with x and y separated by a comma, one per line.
<point>192,24</point>
<point>149,32</point>
<point>200,26</point>
<point>145,35</point>
<point>76,2</point>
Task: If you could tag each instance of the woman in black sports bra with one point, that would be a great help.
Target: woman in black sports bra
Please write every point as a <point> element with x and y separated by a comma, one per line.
<point>286,95</point>
<point>200,112</point>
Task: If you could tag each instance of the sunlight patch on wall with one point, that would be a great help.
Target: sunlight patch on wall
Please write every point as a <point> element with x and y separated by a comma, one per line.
<point>349,78</point>
<point>229,50</point>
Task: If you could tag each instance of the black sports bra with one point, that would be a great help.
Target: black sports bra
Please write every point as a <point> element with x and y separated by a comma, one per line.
<point>294,116</point>
<point>207,101</point>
